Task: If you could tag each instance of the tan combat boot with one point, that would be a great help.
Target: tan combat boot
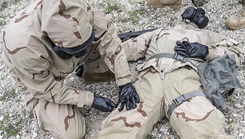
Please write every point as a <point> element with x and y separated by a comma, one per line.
<point>237,20</point>
<point>174,4</point>
<point>89,78</point>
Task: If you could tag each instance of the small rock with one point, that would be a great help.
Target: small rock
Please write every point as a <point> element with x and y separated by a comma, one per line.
<point>1,118</point>
<point>34,134</point>
<point>241,135</point>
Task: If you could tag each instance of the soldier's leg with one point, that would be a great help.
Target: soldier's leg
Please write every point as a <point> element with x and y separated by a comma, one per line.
<point>62,121</point>
<point>137,123</point>
<point>96,70</point>
<point>174,4</point>
<point>241,1</point>
<point>199,3</point>
<point>196,118</point>
<point>237,20</point>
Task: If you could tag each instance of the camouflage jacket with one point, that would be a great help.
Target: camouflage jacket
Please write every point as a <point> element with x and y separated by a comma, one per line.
<point>28,52</point>
<point>163,40</point>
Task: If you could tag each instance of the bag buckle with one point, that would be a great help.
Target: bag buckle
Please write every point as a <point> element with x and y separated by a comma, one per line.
<point>179,57</point>
<point>179,100</point>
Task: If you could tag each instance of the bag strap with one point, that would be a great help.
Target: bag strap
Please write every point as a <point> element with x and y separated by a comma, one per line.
<point>181,99</point>
<point>174,56</point>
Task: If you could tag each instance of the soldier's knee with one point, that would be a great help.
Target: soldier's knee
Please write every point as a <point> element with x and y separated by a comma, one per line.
<point>76,136</point>
<point>68,135</point>
<point>199,117</point>
<point>76,131</point>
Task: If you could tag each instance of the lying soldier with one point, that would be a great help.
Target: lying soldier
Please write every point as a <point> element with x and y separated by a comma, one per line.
<point>171,81</point>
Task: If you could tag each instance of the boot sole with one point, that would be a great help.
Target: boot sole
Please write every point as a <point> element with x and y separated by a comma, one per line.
<point>89,78</point>
<point>91,82</point>
<point>174,6</point>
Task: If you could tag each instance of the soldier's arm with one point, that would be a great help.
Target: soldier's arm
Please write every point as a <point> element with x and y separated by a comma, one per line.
<point>33,72</point>
<point>114,55</point>
<point>220,45</point>
<point>135,48</point>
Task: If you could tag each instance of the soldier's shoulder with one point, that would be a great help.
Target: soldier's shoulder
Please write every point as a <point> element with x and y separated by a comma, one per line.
<point>29,59</point>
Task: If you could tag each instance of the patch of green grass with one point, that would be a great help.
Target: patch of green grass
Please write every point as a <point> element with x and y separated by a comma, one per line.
<point>7,93</point>
<point>2,22</point>
<point>149,137</point>
<point>112,7</point>
<point>2,98</point>
<point>16,1</point>
<point>12,128</point>
<point>4,5</point>
<point>134,15</point>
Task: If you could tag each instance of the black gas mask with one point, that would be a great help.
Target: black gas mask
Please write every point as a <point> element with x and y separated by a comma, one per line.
<point>196,16</point>
<point>78,51</point>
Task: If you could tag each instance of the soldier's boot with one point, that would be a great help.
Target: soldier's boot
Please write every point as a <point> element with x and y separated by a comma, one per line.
<point>237,20</point>
<point>89,78</point>
<point>174,4</point>
<point>199,3</point>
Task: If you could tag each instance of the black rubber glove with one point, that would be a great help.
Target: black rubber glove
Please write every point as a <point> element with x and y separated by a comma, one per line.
<point>103,104</point>
<point>79,69</point>
<point>127,96</point>
<point>191,50</point>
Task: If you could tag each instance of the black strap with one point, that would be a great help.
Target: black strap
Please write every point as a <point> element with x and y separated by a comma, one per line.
<point>174,56</point>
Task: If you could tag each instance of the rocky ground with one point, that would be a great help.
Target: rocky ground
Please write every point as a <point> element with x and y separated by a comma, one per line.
<point>16,121</point>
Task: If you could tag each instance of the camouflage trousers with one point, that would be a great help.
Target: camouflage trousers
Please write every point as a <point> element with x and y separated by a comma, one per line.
<point>61,121</point>
<point>196,118</point>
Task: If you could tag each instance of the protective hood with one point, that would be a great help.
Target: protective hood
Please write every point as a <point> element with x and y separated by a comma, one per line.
<point>68,23</point>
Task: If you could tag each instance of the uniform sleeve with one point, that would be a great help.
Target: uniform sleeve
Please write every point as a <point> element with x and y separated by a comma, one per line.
<point>220,45</point>
<point>136,48</point>
<point>33,72</point>
<point>110,49</point>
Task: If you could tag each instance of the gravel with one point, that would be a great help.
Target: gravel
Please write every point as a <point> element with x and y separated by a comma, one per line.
<point>16,121</point>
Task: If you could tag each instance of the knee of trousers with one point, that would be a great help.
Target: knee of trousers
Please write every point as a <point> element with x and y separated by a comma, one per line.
<point>61,121</point>
<point>72,133</point>
<point>74,127</point>
<point>75,135</point>
<point>197,118</point>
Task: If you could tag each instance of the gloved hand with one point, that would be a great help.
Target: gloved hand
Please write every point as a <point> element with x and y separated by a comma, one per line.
<point>191,50</point>
<point>127,96</point>
<point>79,69</point>
<point>103,104</point>
<point>199,3</point>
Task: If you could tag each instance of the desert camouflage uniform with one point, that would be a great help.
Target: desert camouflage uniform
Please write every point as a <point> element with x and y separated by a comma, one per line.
<point>161,80</point>
<point>39,70</point>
